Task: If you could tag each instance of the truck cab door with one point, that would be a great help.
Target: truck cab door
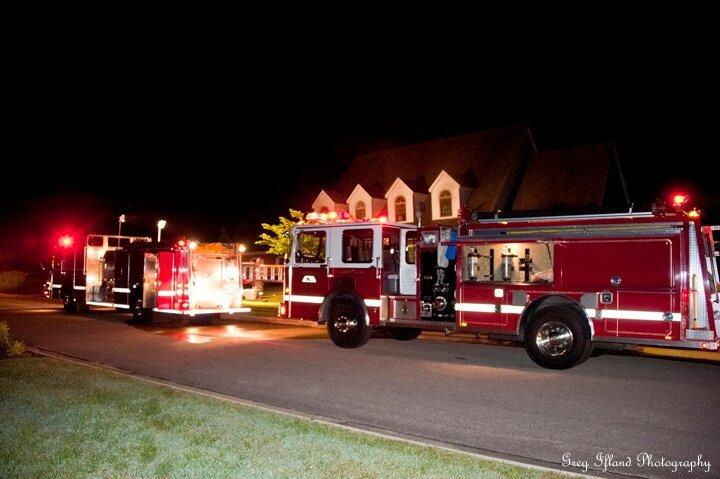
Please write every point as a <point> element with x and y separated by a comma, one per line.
<point>390,260</point>
<point>308,282</point>
<point>408,269</point>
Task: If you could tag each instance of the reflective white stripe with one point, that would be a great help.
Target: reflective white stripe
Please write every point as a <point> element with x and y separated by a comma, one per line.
<point>122,306</point>
<point>57,286</point>
<point>193,312</point>
<point>636,315</point>
<point>299,298</point>
<point>97,303</point>
<point>121,290</point>
<point>592,313</point>
<point>165,293</point>
<point>475,307</point>
<point>81,288</point>
<point>510,309</point>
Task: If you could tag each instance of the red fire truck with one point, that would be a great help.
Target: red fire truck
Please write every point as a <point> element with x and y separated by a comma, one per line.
<point>132,273</point>
<point>560,285</point>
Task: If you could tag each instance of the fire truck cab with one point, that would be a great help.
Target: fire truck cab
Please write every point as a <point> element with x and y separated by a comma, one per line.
<point>352,275</point>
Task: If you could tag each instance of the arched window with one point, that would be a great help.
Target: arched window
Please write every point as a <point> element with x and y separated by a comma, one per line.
<point>445,203</point>
<point>400,209</point>
<point>360,212</point>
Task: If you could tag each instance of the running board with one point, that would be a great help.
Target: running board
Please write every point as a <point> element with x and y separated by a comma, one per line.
<point>413,323</point>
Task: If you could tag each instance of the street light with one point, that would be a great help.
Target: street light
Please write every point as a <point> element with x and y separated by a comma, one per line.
<point>160,224</point>
<point>241,250</point>
<point>121,220</point>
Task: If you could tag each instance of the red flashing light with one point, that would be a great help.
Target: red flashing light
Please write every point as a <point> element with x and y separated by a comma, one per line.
<point>66,241</point>
<point>382,219</point>
<point>680,199</point>
<point>181,243</point>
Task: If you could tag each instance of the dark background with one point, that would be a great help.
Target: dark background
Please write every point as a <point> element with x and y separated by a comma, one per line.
<point>216,148</point>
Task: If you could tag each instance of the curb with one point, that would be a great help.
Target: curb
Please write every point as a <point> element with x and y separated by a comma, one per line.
<point>359,428</point>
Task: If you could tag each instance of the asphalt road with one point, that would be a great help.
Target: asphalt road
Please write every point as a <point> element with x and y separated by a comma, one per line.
<point>490,399</point>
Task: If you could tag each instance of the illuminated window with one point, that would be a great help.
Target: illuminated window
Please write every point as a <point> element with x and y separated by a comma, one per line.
<point>324,209</point>
<point>310,247</point>
<point>400,209</point>
<point>445,203</point>
<point>360,212</point>
<point>410,240</point>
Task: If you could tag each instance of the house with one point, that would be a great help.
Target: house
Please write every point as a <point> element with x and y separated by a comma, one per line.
<point>487,171</point>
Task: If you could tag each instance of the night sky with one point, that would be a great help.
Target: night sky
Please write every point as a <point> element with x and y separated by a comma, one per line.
<point>215,155</point>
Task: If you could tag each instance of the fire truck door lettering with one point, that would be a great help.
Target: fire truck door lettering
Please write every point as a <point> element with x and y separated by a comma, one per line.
<point>308,278</point>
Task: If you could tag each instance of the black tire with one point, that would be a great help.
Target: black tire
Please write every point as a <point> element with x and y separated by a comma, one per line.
<point>70,305</point>
<point>558,338</point>
<point>346,324</point>
<point>140,314</point>
<point>404,334</point>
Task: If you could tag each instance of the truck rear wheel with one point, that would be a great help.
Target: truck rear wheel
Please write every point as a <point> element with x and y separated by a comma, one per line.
<point>69,304</point>
<point>556,338</point>
<point>346,324</point>
<point>140,314</point>
<point>404,334</point>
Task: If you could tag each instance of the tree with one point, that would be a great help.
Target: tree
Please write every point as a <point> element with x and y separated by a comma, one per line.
<point>278,240</point>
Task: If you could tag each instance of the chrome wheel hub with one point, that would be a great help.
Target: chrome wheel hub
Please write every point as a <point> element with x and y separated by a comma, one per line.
<point>554,338</point>
<point>344,325</point>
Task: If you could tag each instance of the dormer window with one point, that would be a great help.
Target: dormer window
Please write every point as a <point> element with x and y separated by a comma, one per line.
<point>400,209</point>
<point>445,198</point>
<point>360,210</point>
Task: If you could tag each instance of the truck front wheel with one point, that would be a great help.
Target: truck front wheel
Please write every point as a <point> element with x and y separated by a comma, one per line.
<point>346,324</point>
<point>556,338</point>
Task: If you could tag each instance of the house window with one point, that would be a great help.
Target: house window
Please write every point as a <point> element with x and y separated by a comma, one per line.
<point>324,209</point>
<point>360,210</point>
<point>400,209</point>
<point>445,203</point>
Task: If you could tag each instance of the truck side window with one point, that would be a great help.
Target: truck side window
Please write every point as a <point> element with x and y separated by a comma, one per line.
<point>509,262</point>
<point>95,241</point>
<point>357,246</point>
<point>310,247</point>
<point>410,240</point>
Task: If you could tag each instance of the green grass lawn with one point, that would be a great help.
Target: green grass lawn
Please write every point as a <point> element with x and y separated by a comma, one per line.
<point>59,419</point>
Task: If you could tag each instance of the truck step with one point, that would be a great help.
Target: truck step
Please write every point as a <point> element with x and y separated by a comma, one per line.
<point>699,334</point>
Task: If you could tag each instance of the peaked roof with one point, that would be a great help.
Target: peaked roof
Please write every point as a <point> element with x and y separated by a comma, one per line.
<point>335,195</point>
<point>416,186</point>
<point>489,161</point>
<point>566,179</point>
